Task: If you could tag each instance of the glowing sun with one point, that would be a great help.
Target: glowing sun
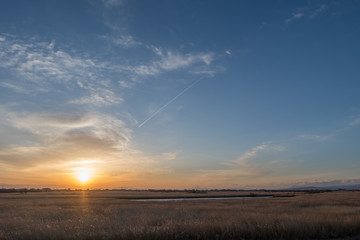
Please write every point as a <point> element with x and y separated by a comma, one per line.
<point>83,175</point>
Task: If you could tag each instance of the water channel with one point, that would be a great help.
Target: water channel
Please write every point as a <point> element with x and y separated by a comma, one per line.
<point>193,198</point>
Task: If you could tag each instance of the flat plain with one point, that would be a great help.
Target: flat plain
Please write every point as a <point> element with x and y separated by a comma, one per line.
<point>115,215</point>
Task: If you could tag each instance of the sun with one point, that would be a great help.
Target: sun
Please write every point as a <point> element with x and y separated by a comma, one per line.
<point>83,175</point>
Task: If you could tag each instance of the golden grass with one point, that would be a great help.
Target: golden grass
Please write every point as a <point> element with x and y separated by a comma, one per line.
<point>101,215</point>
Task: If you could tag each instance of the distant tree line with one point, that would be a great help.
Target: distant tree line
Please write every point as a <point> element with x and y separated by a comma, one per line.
<point>24,190</point>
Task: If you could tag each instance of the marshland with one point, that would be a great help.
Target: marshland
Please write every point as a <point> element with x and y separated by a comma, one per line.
<point>115,215</point>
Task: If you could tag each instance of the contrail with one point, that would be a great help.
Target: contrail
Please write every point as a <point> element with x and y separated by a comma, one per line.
<point>167,104</point>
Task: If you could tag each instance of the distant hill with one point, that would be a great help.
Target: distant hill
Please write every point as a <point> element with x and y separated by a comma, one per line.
<point>335,187</point>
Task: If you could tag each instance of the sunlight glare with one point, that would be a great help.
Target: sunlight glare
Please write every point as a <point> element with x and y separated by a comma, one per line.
<point>83,175</point>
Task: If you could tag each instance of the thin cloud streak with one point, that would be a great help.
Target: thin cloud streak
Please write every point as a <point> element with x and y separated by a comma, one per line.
<point>173,61</point>
<point>355,122</point>
<point>248,166</point>
<point>124,41</point>
<point>243,161</point>
<point>306,12</point>
<point>317,138</point>
<point>335,133</point>
<point>112,3</point>
<point>168,103</point>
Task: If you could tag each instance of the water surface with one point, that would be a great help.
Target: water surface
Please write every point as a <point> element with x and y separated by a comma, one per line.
<point>193,198</point>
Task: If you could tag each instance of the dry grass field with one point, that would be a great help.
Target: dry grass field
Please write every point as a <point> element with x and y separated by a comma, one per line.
<point>104,215</point>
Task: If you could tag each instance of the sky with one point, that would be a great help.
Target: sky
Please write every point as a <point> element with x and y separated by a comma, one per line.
<point>179,94</point>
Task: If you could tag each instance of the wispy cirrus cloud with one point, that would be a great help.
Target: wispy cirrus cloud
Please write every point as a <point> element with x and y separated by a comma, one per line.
<point>123,40</point>
<point>318,10</point>
<point>169,155</point>
<point>355,122</point>
<point>37,66</point>
<point>170,60</point>
<point>306,12</point>
<point>98,97</point>
<point>244,160</point>
<point>318,138</point>
<point>15,88</point>
<point>250,165</point>
<point>40,63</point>
<point>335,133</point>
<point>110,3</point>
<point>295,16</point>
<point>49,127</point>
<point>173,60</point>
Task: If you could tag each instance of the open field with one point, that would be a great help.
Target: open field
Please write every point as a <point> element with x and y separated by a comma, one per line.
<point>110,215</point>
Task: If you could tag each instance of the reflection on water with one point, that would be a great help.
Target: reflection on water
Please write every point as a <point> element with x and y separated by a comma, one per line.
<point>202,198</point>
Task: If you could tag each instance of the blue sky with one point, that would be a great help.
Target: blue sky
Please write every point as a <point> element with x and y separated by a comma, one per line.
<point>179,94</point>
